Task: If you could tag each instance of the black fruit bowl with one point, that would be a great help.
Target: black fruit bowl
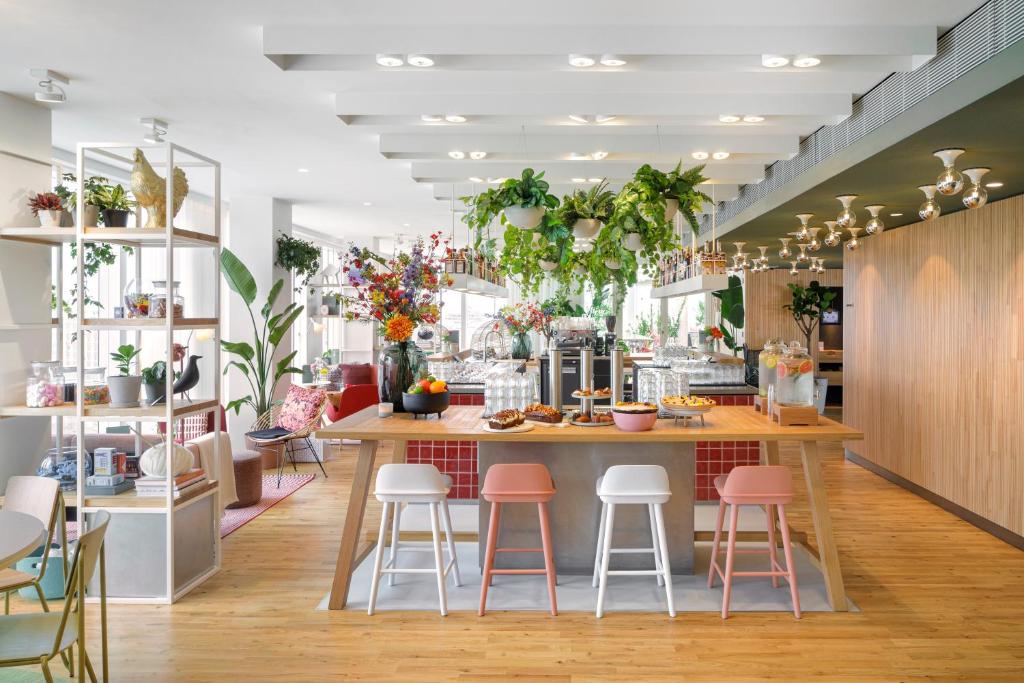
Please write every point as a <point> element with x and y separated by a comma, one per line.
<point>426,404</point>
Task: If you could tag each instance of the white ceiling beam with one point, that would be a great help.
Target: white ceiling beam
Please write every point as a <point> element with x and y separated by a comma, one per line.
<point>564,171</point>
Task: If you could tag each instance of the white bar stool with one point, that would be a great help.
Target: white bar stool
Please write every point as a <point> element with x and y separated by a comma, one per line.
<point>414,484</point>
<point>633,485</point>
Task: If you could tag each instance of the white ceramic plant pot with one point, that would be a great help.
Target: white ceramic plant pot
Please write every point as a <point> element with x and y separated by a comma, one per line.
<point>671,208</point>
<point>580,270</point>
<point>153,462</point>
<point>612,264</point>
<point>50,219</point>
<point>584,246</point>
<point>124,390</point>
<point>524,218</point>
<point>585,228</point>
<point>632,241</point>
<point>547,265</point>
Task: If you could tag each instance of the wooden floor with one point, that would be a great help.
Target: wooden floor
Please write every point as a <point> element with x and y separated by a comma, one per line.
<point>940,601</point>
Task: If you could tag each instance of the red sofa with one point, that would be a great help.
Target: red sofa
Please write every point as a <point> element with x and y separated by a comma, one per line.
<point>352,398</point>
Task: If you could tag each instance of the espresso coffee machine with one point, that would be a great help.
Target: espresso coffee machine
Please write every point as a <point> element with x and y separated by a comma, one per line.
<point>609,337</point>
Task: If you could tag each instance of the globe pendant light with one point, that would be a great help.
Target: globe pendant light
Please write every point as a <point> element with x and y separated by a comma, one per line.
<point>930,210</point>
<point>744,263</point>
<point>763,261</point>
<point>834,237</point>
<point>976,195</point>
<point>821,265</point>
<point>874,224</point>
<point>853,243</point>
<point>793,271</point>
<point>802,257</point>
<point>785,252</point>
<point>814,244</point>
<point>804,234</point>
<point>846,218</point>
<point>741,258</point>
<point>949,181</point>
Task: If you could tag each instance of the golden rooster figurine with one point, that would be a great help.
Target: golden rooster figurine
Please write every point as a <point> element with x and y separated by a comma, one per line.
<point>150,190</point>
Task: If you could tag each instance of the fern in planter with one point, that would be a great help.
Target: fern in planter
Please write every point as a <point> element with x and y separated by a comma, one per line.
<point>298,256</point>
<point>597,203</point>
<point>682,186</point>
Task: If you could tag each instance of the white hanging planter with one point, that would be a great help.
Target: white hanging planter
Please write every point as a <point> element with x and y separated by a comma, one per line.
<point>632,241</point>
<point>524,218</point>
<point>586,228</point>
<point>536,239</point>
<point>547,265</point>
<point>612,264</point>
<point>584,246</point>
<point>580,270</point>
<point>671,208</point>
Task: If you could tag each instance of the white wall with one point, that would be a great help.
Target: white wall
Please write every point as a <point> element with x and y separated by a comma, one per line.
<point>24,279</point>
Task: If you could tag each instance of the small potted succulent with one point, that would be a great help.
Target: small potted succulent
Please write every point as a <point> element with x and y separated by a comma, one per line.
<point>115,205</point>
<point>124,388</point>
<point>47,207</point>
<point>154,381</point>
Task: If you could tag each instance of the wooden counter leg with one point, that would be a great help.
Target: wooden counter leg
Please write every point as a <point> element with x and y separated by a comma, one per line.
<point>353,524</point>
<point>827,551</point>
<point>398,456</point>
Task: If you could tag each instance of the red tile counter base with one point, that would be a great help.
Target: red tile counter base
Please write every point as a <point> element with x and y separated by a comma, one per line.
<point>458,459</point>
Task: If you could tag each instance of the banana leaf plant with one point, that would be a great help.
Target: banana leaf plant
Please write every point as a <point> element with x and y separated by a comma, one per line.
<point>256,359</point>
<point>731,305</point>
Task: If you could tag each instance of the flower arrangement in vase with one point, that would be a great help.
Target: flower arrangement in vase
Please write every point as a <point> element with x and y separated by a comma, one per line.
<point>521,319</point>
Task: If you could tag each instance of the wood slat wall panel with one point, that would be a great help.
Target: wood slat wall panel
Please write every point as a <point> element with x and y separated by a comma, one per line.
<point>934,356</point>
<point>764,296</point>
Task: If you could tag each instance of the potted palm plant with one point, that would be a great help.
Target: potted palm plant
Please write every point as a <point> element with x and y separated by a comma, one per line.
<point>586,211</point>
<point>114,204</point>
<point>47,207</point>
<point>124,388</point>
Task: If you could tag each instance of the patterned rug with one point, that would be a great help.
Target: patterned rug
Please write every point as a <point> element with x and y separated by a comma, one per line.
<point>272,495</point>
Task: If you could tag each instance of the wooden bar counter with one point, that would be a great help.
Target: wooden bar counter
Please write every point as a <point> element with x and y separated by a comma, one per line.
<point>463,423</point>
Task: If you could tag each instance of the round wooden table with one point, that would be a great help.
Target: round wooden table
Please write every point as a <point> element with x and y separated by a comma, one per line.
<point>20,534</point>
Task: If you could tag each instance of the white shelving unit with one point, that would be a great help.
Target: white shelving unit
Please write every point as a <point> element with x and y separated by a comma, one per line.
<point>158,549</point>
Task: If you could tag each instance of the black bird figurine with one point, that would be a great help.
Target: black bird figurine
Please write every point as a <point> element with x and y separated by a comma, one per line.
<point>189,376</point>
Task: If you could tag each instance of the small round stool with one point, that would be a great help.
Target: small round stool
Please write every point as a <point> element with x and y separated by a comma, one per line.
<point>633,485</point>
<point>248,466</point>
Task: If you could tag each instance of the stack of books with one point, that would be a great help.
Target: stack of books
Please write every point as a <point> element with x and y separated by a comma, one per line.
<point>157,486</point>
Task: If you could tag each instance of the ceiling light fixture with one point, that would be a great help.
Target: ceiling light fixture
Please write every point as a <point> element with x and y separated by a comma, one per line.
<point>457,154</point>
<point>774,61</point>
<point>303,170</point>
<point>421,61</point>
<point>598,155</point>
<point>806,61</point>
<point>405,225</point>
<point>612,60</point>
<point>896,215</point>
<point>454,118</point>
<point>753,118</point>
<point>579,180</point>
<point>157,130</point>
<point>432,118</point>
<point>390,60</point>
<point>51,92</point>
<point>604,118</point>
<point>699,156</point>
<point>475,179</point>
<point>367,203</point>
<point>593,180</point>
<point>993,185</point>
<point>728,118</point>
<point>581,61</point>
<point>579,118</point>
<point>720,156</point>
<point>477,155</point>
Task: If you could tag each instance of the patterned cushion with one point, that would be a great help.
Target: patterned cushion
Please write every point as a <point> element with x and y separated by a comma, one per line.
<point>301,405</point>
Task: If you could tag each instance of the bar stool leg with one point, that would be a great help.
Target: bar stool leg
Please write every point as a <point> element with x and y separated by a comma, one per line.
<point>378,559</point>
<point>655,546</point>
<point>605,553</point>
<point>549,556</point>
<point>730,556</point>
<point>599,548</point>
<point>772,559</point>
<point>396,527</point>
<point>446,520</point>
<point>716,543</point>
<point>665,565</point>
<point>790,567</point>
<point>435,530</point>
<point>492,544</point>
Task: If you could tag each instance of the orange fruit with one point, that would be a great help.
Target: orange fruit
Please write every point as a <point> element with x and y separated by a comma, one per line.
<point>806,366</point>
<point>438,387</point>
<point>781,370</point>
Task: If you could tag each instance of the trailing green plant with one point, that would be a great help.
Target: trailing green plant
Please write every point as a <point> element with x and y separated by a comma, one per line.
<point>92,187</point>
<point>113,198</point>
<point>732,314</point>
<point>97,254</point>
<point>596,203</point>
<point>155,373</point>
<point>529,190</point>
<point>257,358</point>
<point>299,256</point>
<point>126,353</point>
<point>808,305</point>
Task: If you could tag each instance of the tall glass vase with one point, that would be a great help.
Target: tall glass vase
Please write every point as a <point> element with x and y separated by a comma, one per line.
<point>398,367</point>
<point>522,347</point>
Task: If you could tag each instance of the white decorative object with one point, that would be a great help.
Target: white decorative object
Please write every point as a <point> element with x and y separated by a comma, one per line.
<point>547,265</point>
<point>524,218</point>
<point>671,208</point>
<point>632,241</point>
<point>153,462</point>
<point>586,228</point>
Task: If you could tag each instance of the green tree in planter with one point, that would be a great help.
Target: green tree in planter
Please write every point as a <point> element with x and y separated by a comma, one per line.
<point>808,305</point>
<point>731,304</point>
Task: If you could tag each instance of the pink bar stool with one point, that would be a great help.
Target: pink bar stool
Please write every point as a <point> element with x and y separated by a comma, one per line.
<point>518,483</point>
<point>765,485</point>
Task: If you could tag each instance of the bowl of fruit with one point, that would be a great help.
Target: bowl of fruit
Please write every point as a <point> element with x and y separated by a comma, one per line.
<point>428,396</point>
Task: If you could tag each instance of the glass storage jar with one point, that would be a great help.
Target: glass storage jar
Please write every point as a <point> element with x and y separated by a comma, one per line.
<point>158,300</point>
<point>794,377</point>
<point>95,391</point>
<point>44,386</point>
<point>766,362</point>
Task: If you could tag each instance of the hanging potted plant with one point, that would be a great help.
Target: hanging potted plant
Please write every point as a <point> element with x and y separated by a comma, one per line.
<point>114,205</point>
<point>298,256</point>
<point>526,200</point>
<point>586,211</point>
<point>124,388</point>
<point>47,207</point>
<point>682,194</point>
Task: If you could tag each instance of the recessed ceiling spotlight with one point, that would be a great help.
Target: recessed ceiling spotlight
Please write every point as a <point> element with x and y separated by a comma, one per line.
<point>579,180</point>
<point>774,61</point>
<point>753,118</point>
<point>593,180</point>
<point>51,92</point>
<point>579,118</point>
<point>576,156</point>
<point>896,215</point>
<point>599,154</point>
<point>477,155</point>
<point>454,118</point>
<point>720,156</point>
<point>420,60</point>
<point>390,60</point>
<point>805,61</point>
<point>457,154</point>
<point>728,118</point>
<point>431,118</point>
<point>405,225</point>
<point>581,61</point>
<point>475,179</point>
<point>612,60</point>
<point>994,184</point>
<point>699,156</point>
<point>497,180</point>
<point>303,170</point>
<point>604,118</point>
<point>157,130</point>
<point>367,203</point>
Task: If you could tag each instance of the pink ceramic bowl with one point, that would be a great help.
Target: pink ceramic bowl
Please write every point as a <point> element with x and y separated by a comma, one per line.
<point>635,422</point>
